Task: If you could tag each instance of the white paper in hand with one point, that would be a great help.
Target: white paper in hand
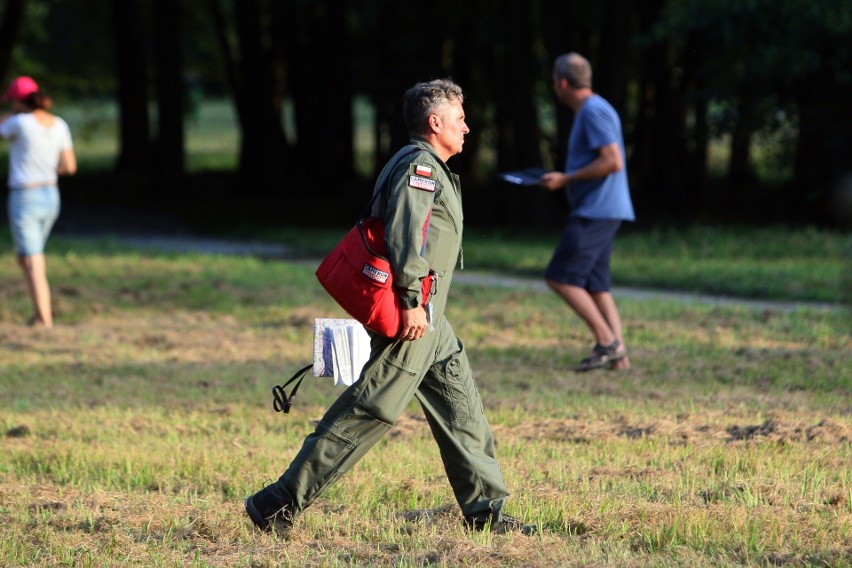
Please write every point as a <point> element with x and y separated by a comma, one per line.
<point>341,348</point>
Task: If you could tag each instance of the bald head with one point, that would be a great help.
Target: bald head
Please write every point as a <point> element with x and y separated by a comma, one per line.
<point>575,69</point>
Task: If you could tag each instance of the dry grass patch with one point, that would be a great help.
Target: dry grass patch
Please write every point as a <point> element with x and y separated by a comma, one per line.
<point>132,432</point>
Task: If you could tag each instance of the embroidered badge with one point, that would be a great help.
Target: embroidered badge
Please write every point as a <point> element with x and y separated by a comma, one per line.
<point>375,274</point>
<point>424,171</point>
<point>422,183</point>
<point>420,170</point>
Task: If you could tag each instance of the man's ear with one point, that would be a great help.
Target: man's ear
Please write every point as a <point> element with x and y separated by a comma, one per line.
<point>435,123</point>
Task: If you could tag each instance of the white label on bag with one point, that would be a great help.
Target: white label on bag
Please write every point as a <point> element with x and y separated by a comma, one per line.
<point>422,183</point>
<point>375,274</point>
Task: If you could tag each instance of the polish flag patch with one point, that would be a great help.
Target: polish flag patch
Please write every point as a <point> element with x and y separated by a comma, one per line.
<point>424,171</point>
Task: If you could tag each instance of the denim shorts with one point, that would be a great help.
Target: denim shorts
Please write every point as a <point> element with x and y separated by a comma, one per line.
<point>32,213</point>
<point>582,257</point>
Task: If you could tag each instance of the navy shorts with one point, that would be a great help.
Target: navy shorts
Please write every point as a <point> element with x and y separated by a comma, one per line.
<point>582,257</point>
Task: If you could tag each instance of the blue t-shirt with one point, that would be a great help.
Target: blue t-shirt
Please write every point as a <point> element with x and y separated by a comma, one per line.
<point>597,125</point>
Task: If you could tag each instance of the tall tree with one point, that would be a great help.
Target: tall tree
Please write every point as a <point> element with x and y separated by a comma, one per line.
<point>10,26</point>
<point>516,114</point>
<point>612,72</point>
<point>256,80</point>
<point>765,58</point>
<point>132,75</point>
<point>263,141</point>
<point>168,16</point>
<point>696,89</point>
<point>660,158</point>
<point>822,93</point>
<point>401,46</point>
<point>319,58</point>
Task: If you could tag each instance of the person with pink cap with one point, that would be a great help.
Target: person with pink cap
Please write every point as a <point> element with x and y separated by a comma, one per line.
<point>40,150</point>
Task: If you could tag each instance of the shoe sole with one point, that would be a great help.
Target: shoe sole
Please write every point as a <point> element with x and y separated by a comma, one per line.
<point>600,364</point>
<point>255,515</point>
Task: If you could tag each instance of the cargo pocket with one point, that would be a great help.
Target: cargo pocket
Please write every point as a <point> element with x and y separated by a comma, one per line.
<point>386,392</point>
<point>455,381</point>
<point>333,450</point>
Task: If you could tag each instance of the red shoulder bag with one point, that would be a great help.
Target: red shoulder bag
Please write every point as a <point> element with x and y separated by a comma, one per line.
<point>357,274</point>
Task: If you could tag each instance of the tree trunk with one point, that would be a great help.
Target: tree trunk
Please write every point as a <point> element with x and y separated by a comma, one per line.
<point>823,150</point>
<point>131,64</point>
<point>321,87</point>
<point>170,96</point>
<point>227,53</point>
<point>659,160</point>
<point>263,141</point>
<point>395,72</point>
<point>739,166</point>
<point>10,26</point>
<point>518,134</point>
<point>257,81</point>
<point>695,89</point>
<point>612,75</point>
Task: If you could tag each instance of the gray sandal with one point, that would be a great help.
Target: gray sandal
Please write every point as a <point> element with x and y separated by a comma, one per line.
<point>602,356</point>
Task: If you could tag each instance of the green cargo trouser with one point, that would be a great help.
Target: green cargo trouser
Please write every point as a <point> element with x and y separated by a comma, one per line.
<point>435,369</point>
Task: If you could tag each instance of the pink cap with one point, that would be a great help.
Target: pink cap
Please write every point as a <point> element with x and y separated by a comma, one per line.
<point>20,88</point>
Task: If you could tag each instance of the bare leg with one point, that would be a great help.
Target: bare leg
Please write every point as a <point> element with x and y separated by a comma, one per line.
<point>35,273</point>
<point>589,311</point>
<point>606,305</point>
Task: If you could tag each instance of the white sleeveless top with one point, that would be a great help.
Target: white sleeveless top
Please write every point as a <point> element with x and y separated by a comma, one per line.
<point>34,149</point>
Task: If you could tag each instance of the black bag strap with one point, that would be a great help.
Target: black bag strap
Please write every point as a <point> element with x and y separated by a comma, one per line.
<point>381,185</point>
<point>280,401</point>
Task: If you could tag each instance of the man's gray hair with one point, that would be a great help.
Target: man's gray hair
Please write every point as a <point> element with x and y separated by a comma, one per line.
<point>574,68</point>
<point>424,99</point>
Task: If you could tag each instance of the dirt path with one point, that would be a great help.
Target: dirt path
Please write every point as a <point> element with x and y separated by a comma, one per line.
<point>538,285</point>
<point>203,245</point>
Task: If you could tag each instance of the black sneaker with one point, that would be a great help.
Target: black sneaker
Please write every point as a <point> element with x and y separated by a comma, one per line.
<point>505,524</point>
<point>269,510</point>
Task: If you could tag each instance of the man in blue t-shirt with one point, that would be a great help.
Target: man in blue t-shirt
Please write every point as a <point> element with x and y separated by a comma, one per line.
<point>595,182</point>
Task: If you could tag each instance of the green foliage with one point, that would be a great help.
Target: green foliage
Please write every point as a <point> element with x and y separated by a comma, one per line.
<point>67,49</point>
<point>758,41</point>
<point>731,65</point>
<point>763,68</point>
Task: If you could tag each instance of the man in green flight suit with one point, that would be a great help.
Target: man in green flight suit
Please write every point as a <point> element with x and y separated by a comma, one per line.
<point>427,360</point>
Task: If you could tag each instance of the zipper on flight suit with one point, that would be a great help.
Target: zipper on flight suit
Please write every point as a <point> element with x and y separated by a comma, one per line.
<point>439,198</point>
<point>455,228</point>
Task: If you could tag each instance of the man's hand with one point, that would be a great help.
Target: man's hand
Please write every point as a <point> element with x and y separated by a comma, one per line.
<point>554,180</point>
<point>414,324</point>
<point>609,160</point>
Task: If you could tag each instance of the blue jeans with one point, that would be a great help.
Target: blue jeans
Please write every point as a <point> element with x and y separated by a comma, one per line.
<point>32,213</point>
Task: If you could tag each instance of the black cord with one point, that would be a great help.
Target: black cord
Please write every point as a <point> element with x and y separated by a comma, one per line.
<point>281,402</point>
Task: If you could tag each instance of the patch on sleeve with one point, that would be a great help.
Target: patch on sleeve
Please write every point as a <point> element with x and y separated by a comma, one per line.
<point>418,182</point>
<point>421,170</point>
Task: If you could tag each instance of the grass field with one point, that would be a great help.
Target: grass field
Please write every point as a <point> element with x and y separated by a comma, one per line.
<point>778,263</point>
<point>134,429</point>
